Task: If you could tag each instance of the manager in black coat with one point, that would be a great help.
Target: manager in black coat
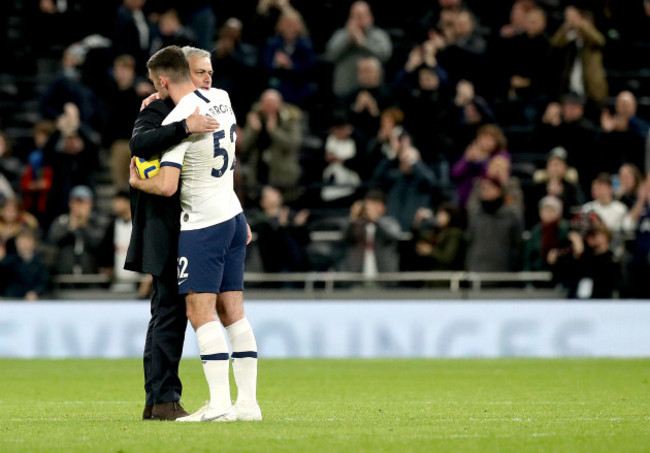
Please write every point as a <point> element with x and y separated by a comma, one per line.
<point>153,250</point>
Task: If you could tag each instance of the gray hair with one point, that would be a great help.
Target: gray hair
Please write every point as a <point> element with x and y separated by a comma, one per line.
<point>195,52</point>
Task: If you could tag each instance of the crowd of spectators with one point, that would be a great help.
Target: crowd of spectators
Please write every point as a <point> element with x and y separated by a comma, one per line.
<point>450,135</point>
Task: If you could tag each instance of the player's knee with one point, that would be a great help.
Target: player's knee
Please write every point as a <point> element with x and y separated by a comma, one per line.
<point>199,314</point>
<point>231,316</point>
<point>191,317</point>
<point>194,315</point>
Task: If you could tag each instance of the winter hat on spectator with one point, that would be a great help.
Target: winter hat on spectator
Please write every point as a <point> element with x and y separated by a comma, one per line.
<point>81,193</point>
<point>558,152</point>
<point>552,202</point>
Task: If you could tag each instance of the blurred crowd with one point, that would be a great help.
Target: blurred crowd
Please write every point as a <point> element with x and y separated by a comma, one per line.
<point>451,135</point>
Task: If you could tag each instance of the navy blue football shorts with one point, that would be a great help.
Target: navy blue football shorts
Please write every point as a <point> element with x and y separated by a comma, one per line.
<point>211,260</point>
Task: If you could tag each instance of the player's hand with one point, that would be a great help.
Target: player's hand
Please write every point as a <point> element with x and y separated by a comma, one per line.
<point>249,234</point>
<point>134,179</point>
<point>149,100</point>
<point>201,124</point>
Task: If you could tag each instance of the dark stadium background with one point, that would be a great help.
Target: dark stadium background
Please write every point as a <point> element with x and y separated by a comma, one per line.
<point>33,44</point>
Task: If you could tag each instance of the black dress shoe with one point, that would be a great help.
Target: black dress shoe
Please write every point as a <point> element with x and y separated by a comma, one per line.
<point>146,413</point>
<point>168,411</point>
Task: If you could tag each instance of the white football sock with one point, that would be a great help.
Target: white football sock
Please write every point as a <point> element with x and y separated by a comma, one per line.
<point>244,361</point>
<point>214,355</point>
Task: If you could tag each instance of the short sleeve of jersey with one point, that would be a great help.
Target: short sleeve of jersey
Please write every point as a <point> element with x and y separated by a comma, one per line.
<point>174,156</point>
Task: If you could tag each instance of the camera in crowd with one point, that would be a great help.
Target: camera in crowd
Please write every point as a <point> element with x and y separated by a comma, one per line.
<point>587,223</point>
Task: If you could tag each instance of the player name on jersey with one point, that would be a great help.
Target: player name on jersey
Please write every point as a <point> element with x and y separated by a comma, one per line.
<point>218,110</point>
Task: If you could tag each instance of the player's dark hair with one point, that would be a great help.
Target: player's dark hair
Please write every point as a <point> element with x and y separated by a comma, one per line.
<point>171,62</point>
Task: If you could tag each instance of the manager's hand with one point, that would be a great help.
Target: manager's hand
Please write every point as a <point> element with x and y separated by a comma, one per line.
<point>201,124</point>
<point>149,100</point>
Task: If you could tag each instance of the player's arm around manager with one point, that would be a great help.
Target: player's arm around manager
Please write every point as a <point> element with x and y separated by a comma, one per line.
<point>165,183</point>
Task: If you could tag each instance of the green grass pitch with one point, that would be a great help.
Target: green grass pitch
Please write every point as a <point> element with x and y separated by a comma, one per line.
<point>482,405</point>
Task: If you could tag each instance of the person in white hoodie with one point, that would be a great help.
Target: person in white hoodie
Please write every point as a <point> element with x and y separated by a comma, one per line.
<point>613,213</point>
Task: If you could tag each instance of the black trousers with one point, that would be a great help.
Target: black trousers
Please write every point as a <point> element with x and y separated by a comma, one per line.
<point>164,343</point>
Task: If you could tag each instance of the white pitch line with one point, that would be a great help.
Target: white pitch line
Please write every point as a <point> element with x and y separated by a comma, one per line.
<point>70,420</point>
<point>483,420</point>
<point>482,436</point>
<point>84,402</point>
<point>320,420</point>
<point>96,402</point>
<point>503,403</point>
<point>563,419</point>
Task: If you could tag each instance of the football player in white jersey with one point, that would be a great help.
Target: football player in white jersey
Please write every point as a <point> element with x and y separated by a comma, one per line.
<point>213,238</point>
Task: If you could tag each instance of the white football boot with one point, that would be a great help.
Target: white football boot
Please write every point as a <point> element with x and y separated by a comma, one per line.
<point>208,414</point>
<point>248,413</point>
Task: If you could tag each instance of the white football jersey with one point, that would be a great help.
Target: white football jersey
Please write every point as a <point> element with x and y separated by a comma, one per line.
<point>206,161</point>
